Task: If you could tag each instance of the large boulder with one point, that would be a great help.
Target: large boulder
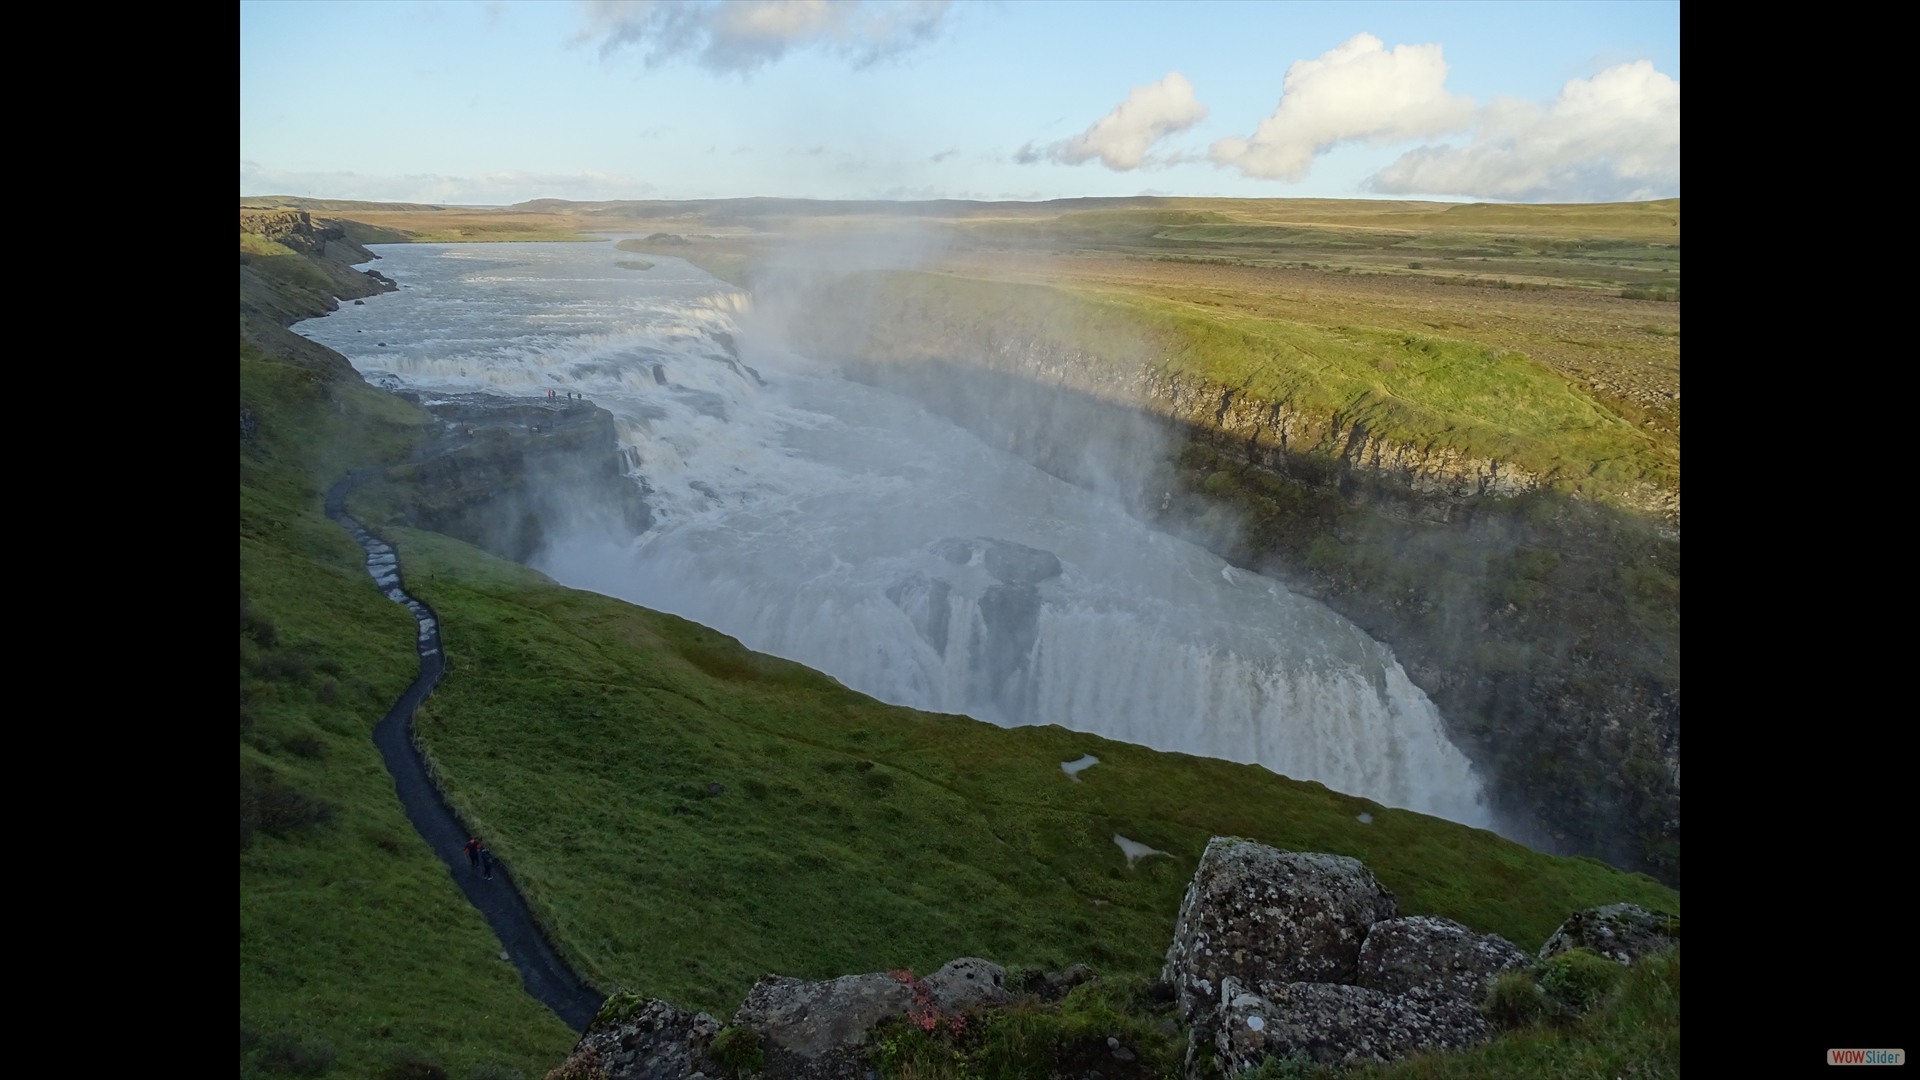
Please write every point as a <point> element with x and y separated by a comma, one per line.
<point>1438,955</point>
<point>1620,932</point>
<point>811,1019</point>
<point>966,983</point>
<point>817,1030</point>
<point>1262,915</point>
<point>1334,1024</point>
<point>635,1039</point>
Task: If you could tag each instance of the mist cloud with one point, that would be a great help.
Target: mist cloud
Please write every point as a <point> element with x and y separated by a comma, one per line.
<point>1355,92</point>
<point>1122,138</point>
<point>738,36</point>
<point>1615,137</point>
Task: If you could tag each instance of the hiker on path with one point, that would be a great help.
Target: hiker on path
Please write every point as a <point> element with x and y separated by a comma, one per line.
<point>473,852</point>
<point>486,864</point>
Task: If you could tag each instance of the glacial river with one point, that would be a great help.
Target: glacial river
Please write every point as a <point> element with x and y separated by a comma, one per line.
<point>851,530</point>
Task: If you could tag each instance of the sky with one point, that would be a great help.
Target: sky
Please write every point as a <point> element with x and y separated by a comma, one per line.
<point>495,103</point>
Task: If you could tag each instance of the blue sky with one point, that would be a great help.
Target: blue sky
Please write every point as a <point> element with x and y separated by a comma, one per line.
<point>495,103</point>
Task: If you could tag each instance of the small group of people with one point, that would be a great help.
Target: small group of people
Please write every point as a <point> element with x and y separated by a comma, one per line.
<point>480,858</point>
<point>570,395</point>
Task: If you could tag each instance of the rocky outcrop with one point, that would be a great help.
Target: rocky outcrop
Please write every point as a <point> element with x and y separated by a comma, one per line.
<point>504,474</point>
<point>650,1040</point>
<point>1298,954</point>
<point>308,279</point>
<point>826,1021</point>
<point>509,474</point>
<point>968,983</point>
<point>805,1030</point>
<point>1622,932</point>
<point>812,1019</point>
<point>1436,955</point>
<point>1265,916</point>
<point>1335,1024</point>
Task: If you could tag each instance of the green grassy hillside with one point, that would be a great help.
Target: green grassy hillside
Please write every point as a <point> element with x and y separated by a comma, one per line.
<point>355,944</point>
<point>581,733</point>
<point>1424,390</point>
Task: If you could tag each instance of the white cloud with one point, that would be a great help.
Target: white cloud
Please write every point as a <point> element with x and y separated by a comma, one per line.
<point>486,189</point>
<point>1122,138</point>
<point>1357,91</point>
<point>1615,137</point>
<point>741,35</point>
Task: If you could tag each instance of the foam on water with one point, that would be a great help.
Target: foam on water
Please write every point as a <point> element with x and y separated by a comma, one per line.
<point>851,530</point>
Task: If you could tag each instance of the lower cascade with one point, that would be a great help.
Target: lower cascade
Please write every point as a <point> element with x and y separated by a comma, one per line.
<point>846,528</point>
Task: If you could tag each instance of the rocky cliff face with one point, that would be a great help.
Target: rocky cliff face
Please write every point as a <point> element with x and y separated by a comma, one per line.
<point>307,277</point>
<point>508,474</point>
<point>504,474</point>
<point>1545,627</point>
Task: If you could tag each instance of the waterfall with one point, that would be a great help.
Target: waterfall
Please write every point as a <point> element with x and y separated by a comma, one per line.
<point>849,529</point>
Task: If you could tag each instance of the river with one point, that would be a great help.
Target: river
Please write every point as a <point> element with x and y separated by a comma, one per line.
<point>849,529</point>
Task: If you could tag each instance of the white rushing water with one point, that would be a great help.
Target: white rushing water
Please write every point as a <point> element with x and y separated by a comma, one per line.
<point>851,530</point>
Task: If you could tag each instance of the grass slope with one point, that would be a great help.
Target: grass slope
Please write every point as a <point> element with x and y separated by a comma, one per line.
<point>1425,390</point>
<point>580,734</point>
<point>354,941</point>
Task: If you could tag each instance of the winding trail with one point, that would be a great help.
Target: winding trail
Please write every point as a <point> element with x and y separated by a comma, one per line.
<point>545,975</point>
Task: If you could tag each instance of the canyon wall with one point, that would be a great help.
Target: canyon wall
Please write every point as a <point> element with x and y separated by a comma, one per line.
<point>1543,623</point>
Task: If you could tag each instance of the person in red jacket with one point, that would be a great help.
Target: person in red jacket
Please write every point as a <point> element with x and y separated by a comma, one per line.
<point>473,852</point>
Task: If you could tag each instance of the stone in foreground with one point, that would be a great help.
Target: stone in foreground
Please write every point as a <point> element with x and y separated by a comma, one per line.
<point>1261,915</point>
<point>1335,1024</point>
<point>649,1040</point>
<point>817,1030</point>
<point>1438,955</point>
<point>808,1030</point>
<point>1621,932</point>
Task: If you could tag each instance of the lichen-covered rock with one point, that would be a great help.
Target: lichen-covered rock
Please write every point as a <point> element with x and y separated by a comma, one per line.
<point>1620,932</point>
<point>1259,914</point>
<point>649,1040</point>
<point>968,982</point>
<point>817,1030</point>
<point>1438,954</point>
<point>1335,1025</point>
<point>812,1018</point>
